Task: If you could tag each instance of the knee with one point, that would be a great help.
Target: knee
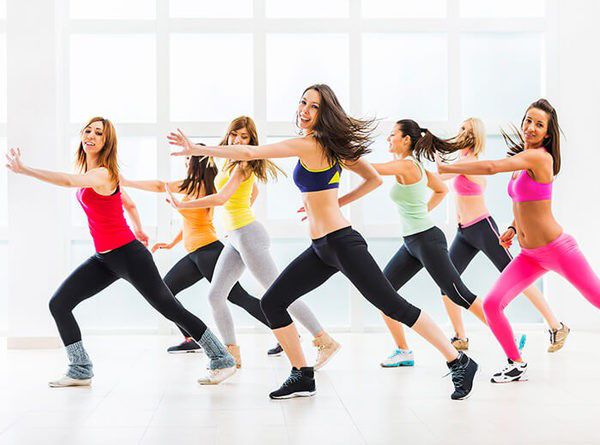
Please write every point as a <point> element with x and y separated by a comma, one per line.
<point>216,298</point>
<point>491,306</point>
<point>56,306</point>
<point>271,305</point>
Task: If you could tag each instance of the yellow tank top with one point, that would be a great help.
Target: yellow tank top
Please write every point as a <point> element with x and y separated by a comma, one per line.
<point>237,211</point>
<point>198,229</point>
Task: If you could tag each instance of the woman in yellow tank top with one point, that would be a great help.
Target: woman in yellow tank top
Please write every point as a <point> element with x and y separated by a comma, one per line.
<point>248,242</point>
<point>199,238</point>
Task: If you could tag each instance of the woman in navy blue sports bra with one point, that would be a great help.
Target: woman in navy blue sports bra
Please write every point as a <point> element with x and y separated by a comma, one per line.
<point>331,139</point>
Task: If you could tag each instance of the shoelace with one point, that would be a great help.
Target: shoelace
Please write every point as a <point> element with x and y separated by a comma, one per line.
<point>458,374</point>
<point>552,336</point>
<point>293,378</point>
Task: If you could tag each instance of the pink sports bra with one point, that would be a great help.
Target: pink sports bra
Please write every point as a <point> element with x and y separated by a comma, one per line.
<point>463,186</point>
<point>524,188</point>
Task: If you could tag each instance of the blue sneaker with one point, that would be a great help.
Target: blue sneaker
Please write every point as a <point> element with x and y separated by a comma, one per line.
<point>520,340</point>
<point>400,357</point>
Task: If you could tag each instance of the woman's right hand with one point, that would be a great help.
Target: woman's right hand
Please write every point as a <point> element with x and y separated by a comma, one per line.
<point>14,162</point>
<point>157,246</point>
<point>181,140</point>
<point>506,238</point>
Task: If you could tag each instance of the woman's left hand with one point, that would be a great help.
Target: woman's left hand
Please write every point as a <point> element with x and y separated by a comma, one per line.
<point>141,236</point>
<point>14,162</point>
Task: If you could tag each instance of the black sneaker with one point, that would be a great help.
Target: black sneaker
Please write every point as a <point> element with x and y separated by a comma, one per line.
<point>511,373</point>
<point>300,383</point>
<point>187,345</point>
<point>276,351</point>
<point>463,371</point>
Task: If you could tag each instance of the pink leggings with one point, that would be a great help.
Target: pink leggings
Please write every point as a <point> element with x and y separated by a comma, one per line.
<point>561,256</point>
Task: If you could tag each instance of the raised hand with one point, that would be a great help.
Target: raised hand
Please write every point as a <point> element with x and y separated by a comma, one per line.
<point>175,203</point>
<point>13,160</point>
<point>181,140</point>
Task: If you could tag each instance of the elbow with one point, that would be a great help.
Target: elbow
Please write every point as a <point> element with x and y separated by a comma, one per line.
<point>377,181</point>
<point>248,154</point>
<point>129,206</point>
<point>219,200</point>
<point>491,169</point>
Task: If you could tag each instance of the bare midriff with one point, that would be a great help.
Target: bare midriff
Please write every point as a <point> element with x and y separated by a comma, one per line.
<point>469,208</point>
<point>323,212</point>
<point>535,223</point>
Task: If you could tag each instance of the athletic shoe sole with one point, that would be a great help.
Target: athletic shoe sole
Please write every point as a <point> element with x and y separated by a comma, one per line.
<point>192,351</point>
<point>518,379</point>
<point>399,364</point>
<point>82,384</point>
<point>329,358</point>
<point>295,394</point>
<point>275,355</point>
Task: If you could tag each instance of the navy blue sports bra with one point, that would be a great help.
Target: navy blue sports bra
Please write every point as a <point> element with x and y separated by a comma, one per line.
<point>316,180</point>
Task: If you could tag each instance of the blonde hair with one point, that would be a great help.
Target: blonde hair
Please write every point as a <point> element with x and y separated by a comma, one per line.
<point>107,157</point>
<point>262,168</point>
<point>477,134</point>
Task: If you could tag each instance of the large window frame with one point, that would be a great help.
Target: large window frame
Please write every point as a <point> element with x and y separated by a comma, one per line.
<point>259,26</point>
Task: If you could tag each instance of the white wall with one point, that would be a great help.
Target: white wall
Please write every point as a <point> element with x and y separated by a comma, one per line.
<point>578,189</point>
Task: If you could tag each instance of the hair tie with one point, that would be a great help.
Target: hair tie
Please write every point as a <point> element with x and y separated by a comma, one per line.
<point>423,130</point>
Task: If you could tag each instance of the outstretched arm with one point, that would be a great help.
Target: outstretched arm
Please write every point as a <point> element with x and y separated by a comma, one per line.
<point>151,185</point>
<point>134,216</point>
<point>371,180</point>
<point>97,177</point>
<point>214,200</point>
<point>396,167</point>
<point>283,149</point>
<point>526,160</point>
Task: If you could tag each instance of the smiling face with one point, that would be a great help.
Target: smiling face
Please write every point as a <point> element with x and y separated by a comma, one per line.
<point>399,144</point>
<point>535,127</point>
<point>240,136</point>
<point>308,110</point>
<point>92,138</point>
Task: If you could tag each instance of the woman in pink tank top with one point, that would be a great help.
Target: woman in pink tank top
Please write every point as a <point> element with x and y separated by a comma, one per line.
<point>535,157</point>
<point>118,255</point>
<point>477,232</point>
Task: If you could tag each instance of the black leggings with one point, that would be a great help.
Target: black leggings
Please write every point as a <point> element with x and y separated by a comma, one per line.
<point>482,236</point>
<point>201,264</point>
<point>132,262</point>
<point>428,249</point>
<point>344,250</point>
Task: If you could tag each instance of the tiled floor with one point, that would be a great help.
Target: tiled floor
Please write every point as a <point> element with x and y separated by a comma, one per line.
<point>141,395</point>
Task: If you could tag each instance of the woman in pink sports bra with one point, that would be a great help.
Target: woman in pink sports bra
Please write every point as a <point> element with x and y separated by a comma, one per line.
<point>477,231</point>
<point>535,159</point>
<point>118,255</point>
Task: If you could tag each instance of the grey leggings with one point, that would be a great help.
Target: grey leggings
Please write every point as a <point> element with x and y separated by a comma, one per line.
<point>248,246</point>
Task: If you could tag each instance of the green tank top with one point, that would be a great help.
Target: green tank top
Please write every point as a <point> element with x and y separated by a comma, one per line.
<point>411,201</point>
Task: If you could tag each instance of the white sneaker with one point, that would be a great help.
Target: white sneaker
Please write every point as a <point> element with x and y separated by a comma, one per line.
<point>216,376</point>
<point>65,381</point>
<point>400,357</point>
<point>512,372</point>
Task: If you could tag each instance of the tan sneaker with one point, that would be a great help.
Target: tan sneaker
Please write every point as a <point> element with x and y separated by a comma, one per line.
<point>558,337</point>
<point>66,381</point>
<point>461,344</point>
<point>216,376</point>
<point>234,350</point>
<point>326,348</point>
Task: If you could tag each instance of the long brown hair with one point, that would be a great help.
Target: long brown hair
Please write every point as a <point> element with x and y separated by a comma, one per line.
<point>107,157</point>
<point>343,137</point>
<point>200,177</point>
<point>262,168</point>
<point>424,144</point>
<point>551,143</point>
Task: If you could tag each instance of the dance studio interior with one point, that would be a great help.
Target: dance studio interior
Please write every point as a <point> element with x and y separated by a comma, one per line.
<point>283,222</point>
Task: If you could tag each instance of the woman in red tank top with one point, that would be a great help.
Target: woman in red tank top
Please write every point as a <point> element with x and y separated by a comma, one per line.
<point>118,254</point>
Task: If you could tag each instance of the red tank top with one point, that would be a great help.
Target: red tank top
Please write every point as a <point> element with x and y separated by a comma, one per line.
<point>106,221</point>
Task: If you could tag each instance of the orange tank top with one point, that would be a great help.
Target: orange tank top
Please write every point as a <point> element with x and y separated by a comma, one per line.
<point>198,229</point>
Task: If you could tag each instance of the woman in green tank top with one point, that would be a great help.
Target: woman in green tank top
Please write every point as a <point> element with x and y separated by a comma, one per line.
<point>424,245</point>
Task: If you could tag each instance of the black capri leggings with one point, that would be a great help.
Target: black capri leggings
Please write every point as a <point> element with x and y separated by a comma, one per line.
<point>482,236</point>
<point>132,262</point>
<point>201,264</point>
<point>344,250</point>
<point>428,249</point>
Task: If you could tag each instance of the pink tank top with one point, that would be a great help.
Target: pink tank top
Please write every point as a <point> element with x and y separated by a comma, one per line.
<point>524,188</point>
<point>106,221</point>
<point>463,186</point>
